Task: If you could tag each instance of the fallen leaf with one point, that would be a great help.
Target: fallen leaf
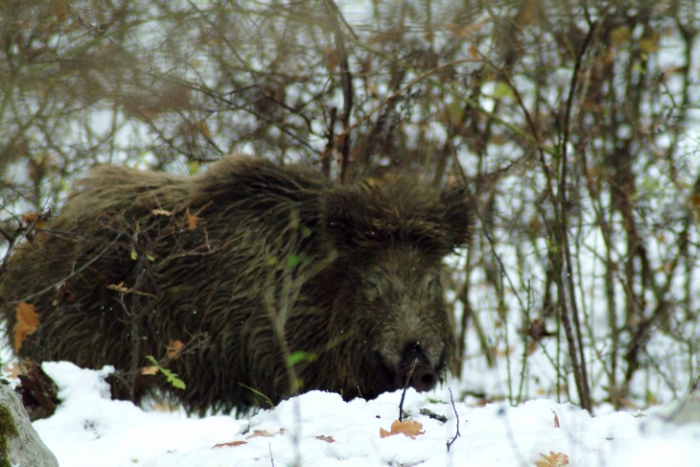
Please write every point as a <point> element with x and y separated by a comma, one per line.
<point>149,370</point>
<point>265,433</point>
<point>27,323</point>
<point>14,371</point>
<point>410,428</point>
<point>372,91</point>
<point>532,347</point>
<point>173,348</point>
<point>230,443</point>
<point>649,44</point>
<point>331,58</point>
<point>33,218</point>
<point>466,30</point>
<point>554,459</point>
<point>118,287</point>
<point>203,128</point>
<point>161,212</point>
<point>192,220</point>
<point>556,419</point>
<point>163,406</point>
<point>473,52</point>
<point>63,294</point>
<point>620,35</point>
<point>60,10</point>
<point>327,439</point>
<point>628,403</point>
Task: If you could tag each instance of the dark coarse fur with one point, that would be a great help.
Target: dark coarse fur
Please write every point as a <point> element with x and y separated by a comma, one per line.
<point>267,261</point>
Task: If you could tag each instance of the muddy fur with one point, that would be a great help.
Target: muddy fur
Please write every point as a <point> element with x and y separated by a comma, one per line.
<point>267,262</point>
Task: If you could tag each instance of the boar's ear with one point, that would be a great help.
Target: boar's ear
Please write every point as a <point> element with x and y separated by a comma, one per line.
<point>345,217</point>
<point>457,215</point>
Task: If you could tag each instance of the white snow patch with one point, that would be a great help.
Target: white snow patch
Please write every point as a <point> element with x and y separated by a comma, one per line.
<point>89,429</point>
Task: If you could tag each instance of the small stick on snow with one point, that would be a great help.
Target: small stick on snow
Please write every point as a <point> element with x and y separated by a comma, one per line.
<point>457,435</point>
<point>405,388</point>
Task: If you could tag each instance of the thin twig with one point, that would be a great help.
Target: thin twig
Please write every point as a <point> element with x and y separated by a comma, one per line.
<point>583,385</point>
<point>403,89</point>
<point>334,14</point>
<point>405,388</point>
<point>53,285</point>
<point>326,156</point>
<point>457,434</point>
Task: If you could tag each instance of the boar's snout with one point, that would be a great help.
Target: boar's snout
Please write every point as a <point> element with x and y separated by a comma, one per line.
<point>424,376</point>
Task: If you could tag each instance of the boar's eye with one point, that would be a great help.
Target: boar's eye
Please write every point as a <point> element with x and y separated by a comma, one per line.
<point>431,284</point>
<point>371,289</point>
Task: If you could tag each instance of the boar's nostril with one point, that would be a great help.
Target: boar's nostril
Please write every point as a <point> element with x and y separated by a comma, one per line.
<point>424,378</point>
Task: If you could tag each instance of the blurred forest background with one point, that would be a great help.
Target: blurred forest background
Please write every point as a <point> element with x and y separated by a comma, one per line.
<point>574,122</point>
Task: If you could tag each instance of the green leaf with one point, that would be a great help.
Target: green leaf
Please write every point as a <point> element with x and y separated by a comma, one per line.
<point>455,111</point>
<point>502,90</point>
<point>64,186</point>
<point>300,356</point>
<point>178,383</point>
<point>134,255</point>
<point>193,167</point>
<point>620,35</point>
<point>173,379</point>
<point>259,394</point>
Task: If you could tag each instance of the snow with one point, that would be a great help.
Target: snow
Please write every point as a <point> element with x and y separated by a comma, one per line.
<point>88,429</point>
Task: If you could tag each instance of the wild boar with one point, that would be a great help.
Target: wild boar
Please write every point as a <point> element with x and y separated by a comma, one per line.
<point>276,279</point>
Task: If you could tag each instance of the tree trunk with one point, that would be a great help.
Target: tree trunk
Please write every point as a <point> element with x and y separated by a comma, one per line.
<point>19,443</point>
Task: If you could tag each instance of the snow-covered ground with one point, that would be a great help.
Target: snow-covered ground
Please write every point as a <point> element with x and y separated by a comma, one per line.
<point>320,429</point>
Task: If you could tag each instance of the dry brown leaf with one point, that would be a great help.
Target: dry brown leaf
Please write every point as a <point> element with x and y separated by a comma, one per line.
<point>118,287</point>
<point>161,212</point>
<point>473,52</point>
<point>465,31</point>
<point>14,371</point>
<point>327,439</point>
<point>554,459</point>
<point>149,370</point>
<point>33,218</point>
<point>27,323</point>
<point>203,128</point>
<point>556,419</point>
<point>173,348</point>
<point>63,294</point>
<point>532,347</point>
<point>649,44</point>
<point>628,403</point>
<point>331,58</point>
<point>60,9</point>
<point>164,406</point>
<point>410,428</point>
<point>192,220</point>
<point>372,90</point>
<point>265,433</point>
<point>230,443</point>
